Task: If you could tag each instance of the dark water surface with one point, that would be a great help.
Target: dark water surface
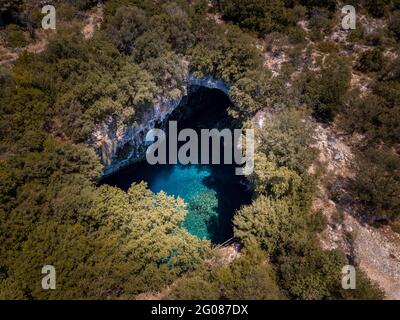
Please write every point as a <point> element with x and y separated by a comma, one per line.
<point>212,192</point>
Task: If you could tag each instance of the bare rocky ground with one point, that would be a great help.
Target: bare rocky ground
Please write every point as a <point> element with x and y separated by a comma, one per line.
<point>376,250</point>
<point>39,44</point>
<point>92,22</point>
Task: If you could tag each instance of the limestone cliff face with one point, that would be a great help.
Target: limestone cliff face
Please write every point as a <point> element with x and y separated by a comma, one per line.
<point>119,146</point>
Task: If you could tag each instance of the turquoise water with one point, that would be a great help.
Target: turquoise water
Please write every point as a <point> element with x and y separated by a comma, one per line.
<point>187,182</point>
<point>212,192</point>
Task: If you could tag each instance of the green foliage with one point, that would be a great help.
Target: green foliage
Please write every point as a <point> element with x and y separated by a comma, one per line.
<point>365,289</point>
<point>267,221</point>
<point>149,45</point>
<point>176,25</point>
<point>376,8</point>
<point>271,179</point>
<point>169,73</point>
<point>325,90</point>
<point>286,232</point>
<point>296,35</point>
<point>321,22</point>
<point>378,181</point>
<point>228,56</point>
<point>231,56</point>
<point>125,26</point>
<point>15,37</point>
<point>394,24</point>
<point>357,35</point>
<point>133,241</point>
<point>106,243</point>
<point>371,61</point>
<point>257,15</point>
<point>287,140</point>
<point>311,273</point>
<point>328,47</point>
<point>376,115</point>
<point>83,4</point>
<point>248,278</point>
<point>195,288</point>
<point>330,5</point>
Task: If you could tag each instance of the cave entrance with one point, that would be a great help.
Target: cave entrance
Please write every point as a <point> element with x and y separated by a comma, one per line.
<point>212,192</point>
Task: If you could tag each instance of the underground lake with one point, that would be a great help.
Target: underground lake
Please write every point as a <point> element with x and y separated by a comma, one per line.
<point>212,192</point>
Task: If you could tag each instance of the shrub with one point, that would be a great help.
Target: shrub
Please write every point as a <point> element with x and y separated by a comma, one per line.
<point>395,225</point>
<point>296,35</point>
<point>394,24</point>
<point>376,8</point>
<point>326,89</point>
<point>15,37</point>
<point>328,47</point>
<point>378,181</point>
<point>321,23</point>
<point>371,61</point>
<point>357,35</point>
<point>249,277</point>
<point>261,16</point>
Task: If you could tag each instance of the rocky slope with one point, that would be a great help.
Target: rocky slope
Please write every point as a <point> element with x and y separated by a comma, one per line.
<point>120,146</point>
<point>375,249</point>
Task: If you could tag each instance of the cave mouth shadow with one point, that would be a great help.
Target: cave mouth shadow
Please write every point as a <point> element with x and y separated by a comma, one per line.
<point>207,108</point>
<point>202,108</point>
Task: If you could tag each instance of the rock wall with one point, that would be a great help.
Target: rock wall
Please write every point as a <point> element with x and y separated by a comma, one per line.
<point>120,146</point>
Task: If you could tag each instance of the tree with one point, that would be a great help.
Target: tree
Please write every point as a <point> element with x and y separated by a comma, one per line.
<point>132,241</point>
<point>149,45</point>
<point>257,15</point>
<point>378,182</point>
<point>376,8</point>
<point>266,221</point>
<point>176,25</point>
<point>371,61</point>
<point>15,37</point>
<point>311,274</point>
<point>250,277</point>
<point>195,288</point>
<point>394,24</point>
<point>126,26</point>
<point>276,181</point>
<point>287,140</point>
<point>326,89</point>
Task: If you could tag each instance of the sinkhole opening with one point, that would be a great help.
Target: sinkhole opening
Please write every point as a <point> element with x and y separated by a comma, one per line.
<point>212,192</point>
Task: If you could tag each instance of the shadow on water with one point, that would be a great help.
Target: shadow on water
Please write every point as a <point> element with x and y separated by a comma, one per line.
<point>212,192</point>
<point>231,195</point>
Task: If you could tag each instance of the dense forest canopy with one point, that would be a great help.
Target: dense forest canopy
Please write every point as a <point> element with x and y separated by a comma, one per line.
<point>107,243</point>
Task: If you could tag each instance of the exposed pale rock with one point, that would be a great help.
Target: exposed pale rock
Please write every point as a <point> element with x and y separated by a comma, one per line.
<point>117,147</point>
